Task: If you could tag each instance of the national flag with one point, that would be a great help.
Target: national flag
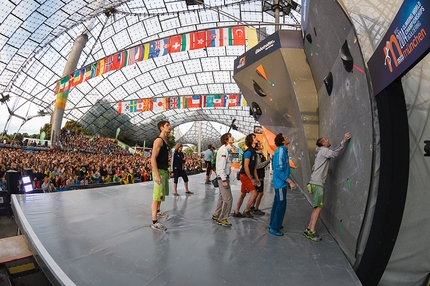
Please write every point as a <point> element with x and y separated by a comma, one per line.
<point>87,72</point>
<point>194,101</point>
<point>173,102</point>
<point>186,41</point>
<point>108,64</point>
<point>100,67</point>
<point>147,104</point>
<point>139,107</point>
<point>77,77</point>
<point>158,104</point>
<point>225,100</point>
<point>125,59</point>
<point>233,100</point>
<point>239,38</point>
<point>133,106</point>
<point>218,100</point>
<point>121,107</point>
<point>138,53</point>
<point>251,35</point>
<point>63,85</point>
<point>175,43</point>
<point>242,100</point>
<point>212,38</point>
<point>184,101</point>
<point>209,101</point>
<point>93,70</point>
<point>71,78</point>
<point>198,40</point>
<point>164,47</point>
<point>225,37</point>
<point>146,51</point>
<point>154,49</point>
<point>131,56</point>
<point>118,60</point>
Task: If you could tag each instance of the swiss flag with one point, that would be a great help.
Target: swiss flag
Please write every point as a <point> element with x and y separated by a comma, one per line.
<point>239,38</point>
<point>198,40</point>
<point>175,44</point>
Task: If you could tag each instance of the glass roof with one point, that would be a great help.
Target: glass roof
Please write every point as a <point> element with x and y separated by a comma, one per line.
<point>208,135</point>
<point>36,40</point>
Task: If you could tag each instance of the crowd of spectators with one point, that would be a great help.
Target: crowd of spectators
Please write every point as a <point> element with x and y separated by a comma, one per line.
<point>81,160</point>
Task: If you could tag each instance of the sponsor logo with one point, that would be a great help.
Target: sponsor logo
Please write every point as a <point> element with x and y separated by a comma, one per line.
<point>405,39</point>
<point>265,47</point>
<point>242,62</point>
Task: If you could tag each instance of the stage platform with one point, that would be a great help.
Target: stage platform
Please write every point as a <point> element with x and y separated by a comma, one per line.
<point>102,237</point>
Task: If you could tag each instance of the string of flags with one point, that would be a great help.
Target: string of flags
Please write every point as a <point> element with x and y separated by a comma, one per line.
<point>233,36</point>
<point>181,102</point>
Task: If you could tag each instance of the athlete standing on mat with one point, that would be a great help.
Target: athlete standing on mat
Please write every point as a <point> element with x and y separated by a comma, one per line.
<point>160,173</point>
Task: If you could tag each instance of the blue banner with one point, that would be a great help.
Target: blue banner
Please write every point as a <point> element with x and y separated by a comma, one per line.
<point>405,43</point>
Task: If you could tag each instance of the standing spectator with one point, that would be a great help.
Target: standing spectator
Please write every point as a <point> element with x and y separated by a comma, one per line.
<point>223,170</point>
<point>248,177</point>
<point>281,180</point>
<point>318,178</point>
<point>178,163</point>
<point>261,172</point>
<point>160,164</point>
<point>208,162</point>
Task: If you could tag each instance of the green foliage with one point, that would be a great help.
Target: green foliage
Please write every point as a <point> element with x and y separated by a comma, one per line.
<point>75,127</point>
<point>190,150</point>
<point>171,139</point>
<point>47,128</point>
<point>242,145</point>
<point>17,136</point>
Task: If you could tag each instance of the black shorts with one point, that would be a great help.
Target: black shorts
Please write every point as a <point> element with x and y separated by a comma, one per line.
<point>179,173</point>
<point>260,189</point>
<point>208,167</point>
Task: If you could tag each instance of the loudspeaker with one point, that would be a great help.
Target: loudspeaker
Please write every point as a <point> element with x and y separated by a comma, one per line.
<point>12,178</point>
<point>4,204</point>
<point>28,172</point>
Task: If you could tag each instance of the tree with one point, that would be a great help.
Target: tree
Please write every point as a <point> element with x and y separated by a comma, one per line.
<point>190,150</point>
<point>17,136</point>
<point>76,127</point>
<point>47,128</point>
<point>171,139</point>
